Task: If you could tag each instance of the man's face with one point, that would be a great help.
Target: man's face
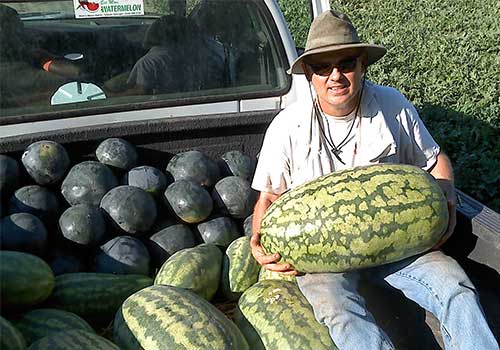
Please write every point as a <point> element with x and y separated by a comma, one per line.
<point>337,79</point>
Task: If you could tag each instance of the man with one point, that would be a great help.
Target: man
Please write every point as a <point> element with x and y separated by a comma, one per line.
<point>29,74</point>
<point>352,122</point>
<point>179,58</point>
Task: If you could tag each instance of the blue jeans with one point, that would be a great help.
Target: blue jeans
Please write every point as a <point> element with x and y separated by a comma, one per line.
<point>434,280</point>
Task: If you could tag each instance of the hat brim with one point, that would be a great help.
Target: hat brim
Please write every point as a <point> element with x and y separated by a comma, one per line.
<point>373,52</point>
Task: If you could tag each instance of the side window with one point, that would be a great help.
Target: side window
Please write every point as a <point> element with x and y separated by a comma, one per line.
<point>178,52</point>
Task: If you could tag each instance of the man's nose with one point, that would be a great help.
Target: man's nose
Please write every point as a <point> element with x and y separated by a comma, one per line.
<point>335,74</point>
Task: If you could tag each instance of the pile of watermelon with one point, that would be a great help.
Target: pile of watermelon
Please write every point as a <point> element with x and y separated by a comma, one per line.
<point>110,253</point>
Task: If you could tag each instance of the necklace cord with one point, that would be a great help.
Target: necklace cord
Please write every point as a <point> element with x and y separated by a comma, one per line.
<point>337,149</point>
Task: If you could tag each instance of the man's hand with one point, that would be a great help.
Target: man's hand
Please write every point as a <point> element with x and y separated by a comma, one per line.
<point>443,173</point>
<point>451,198</point>
<point>269,262</point>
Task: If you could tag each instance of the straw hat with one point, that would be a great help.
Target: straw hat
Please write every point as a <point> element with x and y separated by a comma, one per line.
<point>333,31</point>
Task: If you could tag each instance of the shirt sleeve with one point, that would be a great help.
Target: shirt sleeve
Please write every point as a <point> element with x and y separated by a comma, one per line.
<point>272,173</point>
<point>141,74</point>
<point>423,148</point>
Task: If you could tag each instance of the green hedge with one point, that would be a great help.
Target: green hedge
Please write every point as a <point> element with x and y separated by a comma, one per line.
<point>444,55</point>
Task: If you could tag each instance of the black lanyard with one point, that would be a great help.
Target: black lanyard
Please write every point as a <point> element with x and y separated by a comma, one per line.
<point>337,149</point>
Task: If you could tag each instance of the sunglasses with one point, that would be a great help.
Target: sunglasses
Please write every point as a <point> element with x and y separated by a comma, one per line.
<point>345,66</point>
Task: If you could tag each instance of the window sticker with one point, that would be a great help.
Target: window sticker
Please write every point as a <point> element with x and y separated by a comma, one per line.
<point>108,8</point>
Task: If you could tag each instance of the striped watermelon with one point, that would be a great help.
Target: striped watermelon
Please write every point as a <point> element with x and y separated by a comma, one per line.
<point>356,218</point>
<point>266,274</point>
<point>198,269</point>
<point>99,295</point>
<point>39,323</point>
<point>239,268</point>
<point>249,332</point>
<point>168,317</point>
<point>25,280</point>
<point>74,339</point>
<point>10,337</point>
<point>282,317</point>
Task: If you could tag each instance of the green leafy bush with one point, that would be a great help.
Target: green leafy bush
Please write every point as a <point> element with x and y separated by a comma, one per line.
<point>444,55</point>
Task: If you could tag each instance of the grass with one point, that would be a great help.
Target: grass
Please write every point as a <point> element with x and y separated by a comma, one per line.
<point>444,55</point>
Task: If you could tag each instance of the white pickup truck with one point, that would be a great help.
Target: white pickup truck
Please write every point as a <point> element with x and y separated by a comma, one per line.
<point>177,75</point>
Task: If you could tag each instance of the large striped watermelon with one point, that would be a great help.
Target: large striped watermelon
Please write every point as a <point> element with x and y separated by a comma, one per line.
<point>25,280</point>
<point>95,295</point>
<point>356,218</point>
<point>74,339</point>
<point>168,317</point>
<point>198,269</point>
<point>39,323</point>
<point>279,313</point>
<point>266,274</point>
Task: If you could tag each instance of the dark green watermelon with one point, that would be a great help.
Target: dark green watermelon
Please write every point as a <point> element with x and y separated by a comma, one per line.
<point>189,201</point>
<point>38,323</point>
<point>130,208</point>
<point>66,260</point>
<point>9,175</point>
<point>10,336</point>
<point>73,339</point>
<point>123,255</point>
<point>237,163</point>
<point>83,224</point>
<point>87,182</point>
<point>36,200</point>
<point>150,179</point>
<point>23,232</point>
<point>117,153</point>
<point>122,335</point>
<point>234,196</point>
<point>219,230</point>
<point>46,162</point>
<point>169,238</point>
<point>247,225</point>
<point>195,166</point>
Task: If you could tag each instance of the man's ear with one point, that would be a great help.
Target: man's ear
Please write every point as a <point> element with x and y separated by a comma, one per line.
<point>307,70</point>
<point>364,63</point>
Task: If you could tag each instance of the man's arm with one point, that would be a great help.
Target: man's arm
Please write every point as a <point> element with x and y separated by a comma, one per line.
<point>443,173</point>
<point>269,262</point>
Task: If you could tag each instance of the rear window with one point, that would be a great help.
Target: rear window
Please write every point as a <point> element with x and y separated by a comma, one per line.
<point>73,58</point>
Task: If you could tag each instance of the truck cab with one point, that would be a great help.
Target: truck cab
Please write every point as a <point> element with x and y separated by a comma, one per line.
<point>176,75</point>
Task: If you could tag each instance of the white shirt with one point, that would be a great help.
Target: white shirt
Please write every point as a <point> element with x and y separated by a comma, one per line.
<point>389,130</point>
